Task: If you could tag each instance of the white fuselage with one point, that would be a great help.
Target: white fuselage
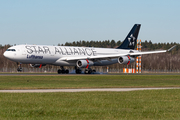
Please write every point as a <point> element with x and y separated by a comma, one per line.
<point>56,55</point>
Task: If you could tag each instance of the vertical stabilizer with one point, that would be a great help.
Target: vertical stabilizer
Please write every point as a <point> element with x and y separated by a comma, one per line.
<point>131,39</point>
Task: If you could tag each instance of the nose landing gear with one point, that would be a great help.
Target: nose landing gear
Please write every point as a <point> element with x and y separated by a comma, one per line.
<point>19,69</point>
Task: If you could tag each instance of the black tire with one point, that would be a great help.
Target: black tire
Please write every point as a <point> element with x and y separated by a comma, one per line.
<point>89,71</point>
<point>63,71</point>
<point>19,69</point>
<point>59,71</point>
<point>78,71</point>
<point>67,71</point>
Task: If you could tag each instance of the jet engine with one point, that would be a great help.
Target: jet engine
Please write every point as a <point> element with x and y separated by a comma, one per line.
<point>84,63</point>
<point>37,65</point>
<point>126,60</point>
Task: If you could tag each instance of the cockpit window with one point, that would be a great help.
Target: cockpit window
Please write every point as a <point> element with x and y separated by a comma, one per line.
<point>10,50</point>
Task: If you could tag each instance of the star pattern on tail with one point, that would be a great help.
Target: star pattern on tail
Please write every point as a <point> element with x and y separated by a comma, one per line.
<point>131,40</point>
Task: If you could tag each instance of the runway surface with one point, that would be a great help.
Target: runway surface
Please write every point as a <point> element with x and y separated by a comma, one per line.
<point>55,74</point>
<point>83,90</point>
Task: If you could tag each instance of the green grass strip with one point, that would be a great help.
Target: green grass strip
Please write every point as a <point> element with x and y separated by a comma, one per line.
<point>89,81</point>
<point>148,104</point>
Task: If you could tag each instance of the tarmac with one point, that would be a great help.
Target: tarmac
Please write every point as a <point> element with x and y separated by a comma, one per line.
<point>55,74</point>
<point>84,90</point>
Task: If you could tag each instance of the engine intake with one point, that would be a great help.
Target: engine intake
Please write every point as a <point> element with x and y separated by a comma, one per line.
<point>126,60</point>
<point>84,63</point>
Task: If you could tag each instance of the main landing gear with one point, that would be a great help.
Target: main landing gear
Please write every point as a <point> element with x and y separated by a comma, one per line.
<point>19,69</point>
<point>89,71</point>
<point>77,70</point>
<point>63,71</point>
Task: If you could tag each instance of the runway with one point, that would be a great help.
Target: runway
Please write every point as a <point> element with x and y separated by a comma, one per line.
<point>83,90</point>
<point>55,74</point>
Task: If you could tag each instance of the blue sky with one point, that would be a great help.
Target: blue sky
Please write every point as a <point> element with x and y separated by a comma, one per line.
<point>50,22</point>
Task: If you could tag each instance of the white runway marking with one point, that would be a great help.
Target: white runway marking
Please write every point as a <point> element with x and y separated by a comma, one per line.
<point>83,90</point>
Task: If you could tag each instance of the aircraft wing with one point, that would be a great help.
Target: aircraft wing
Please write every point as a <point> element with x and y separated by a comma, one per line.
<point>147,52</point>
<point>110,56</point>
<point>114,55</point>
<point>151,52</point>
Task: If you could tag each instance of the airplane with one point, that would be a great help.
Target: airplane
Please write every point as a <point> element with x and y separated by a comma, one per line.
<point>80,57</point>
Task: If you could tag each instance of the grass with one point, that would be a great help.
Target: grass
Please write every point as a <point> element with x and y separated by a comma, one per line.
<point>149,104</point>
<point>91,81</point>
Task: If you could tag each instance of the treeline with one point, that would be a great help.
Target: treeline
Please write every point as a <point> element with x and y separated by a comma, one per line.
<point>102,44</point>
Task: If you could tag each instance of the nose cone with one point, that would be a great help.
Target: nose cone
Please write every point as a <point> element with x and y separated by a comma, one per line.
<point>5,54</point>
<point>8,55</point>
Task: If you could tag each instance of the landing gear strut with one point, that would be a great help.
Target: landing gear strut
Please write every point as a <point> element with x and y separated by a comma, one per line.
<point>19,69</point>
<point>63,71</point>
<point>78,70</point>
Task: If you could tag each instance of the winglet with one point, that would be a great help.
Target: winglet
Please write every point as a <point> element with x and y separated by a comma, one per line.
<point>171,48</point>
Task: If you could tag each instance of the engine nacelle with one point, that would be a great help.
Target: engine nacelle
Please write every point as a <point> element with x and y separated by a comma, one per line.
<point>37,65</point>
<point>126,60</point>
<point>84,63</point>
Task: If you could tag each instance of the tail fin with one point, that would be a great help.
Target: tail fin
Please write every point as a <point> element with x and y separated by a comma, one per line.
<point>130,40</point>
